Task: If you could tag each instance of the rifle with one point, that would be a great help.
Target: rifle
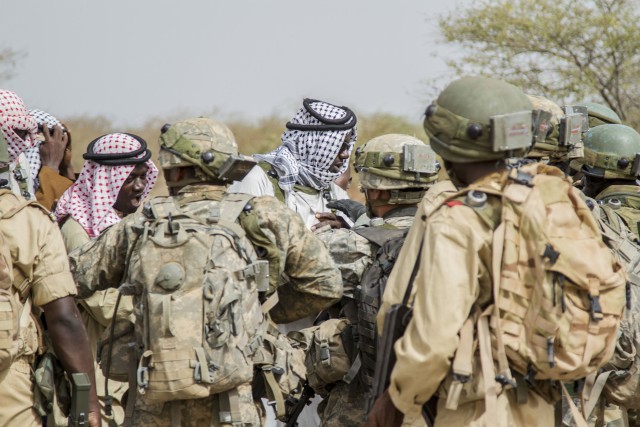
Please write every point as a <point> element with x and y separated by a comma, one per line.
<point>293,411</point>
<point>80,390</point>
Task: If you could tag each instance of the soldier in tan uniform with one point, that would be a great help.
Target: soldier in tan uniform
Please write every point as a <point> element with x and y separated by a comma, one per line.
<point>395,171</point>
<point>193,154</point>
<point>455,272</point>
<point>41,283</point>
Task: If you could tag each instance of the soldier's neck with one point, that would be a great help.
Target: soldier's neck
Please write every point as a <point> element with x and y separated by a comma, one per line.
<point>467,173</point>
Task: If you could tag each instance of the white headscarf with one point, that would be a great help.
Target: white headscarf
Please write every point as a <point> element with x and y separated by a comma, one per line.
<point>305,156</point>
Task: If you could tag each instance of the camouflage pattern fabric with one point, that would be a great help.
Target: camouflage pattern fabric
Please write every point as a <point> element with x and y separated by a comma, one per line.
<point>304,264</point>
<point>629,197</point>
<point>198,412</point>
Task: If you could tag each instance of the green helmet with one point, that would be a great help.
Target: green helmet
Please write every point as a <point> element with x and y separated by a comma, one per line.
<point>600,114</point>
<point>396,162</point>
<point>479,119</point>
<point>206,144</point>
<point>611,152</point>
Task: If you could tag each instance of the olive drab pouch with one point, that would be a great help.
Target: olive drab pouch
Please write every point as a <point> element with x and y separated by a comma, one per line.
<point>198,315</point>
<point>280,370</point>
<point>558,292</point>
<point>113,351</point>
<point>329,354</point>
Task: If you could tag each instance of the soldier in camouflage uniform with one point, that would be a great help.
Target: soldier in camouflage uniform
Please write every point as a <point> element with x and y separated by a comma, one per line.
<point>193,154</point>
<point>395,171</point>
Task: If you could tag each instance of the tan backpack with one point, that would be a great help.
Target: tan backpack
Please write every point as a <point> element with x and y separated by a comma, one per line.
<point>198,317</point>
<point>558,293</point>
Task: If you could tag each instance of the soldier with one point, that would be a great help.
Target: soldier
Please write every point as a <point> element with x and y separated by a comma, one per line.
<point>600,114</point>
<point>395,171</point>
<point>41,283</point>
<point>110,186</point>
<point>611,166</point>
<point>199,158</point>
<point>301,172</point>
<point>475,124</point>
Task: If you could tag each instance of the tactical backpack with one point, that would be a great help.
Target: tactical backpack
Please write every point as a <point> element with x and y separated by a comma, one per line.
<point>369,294</point>
<point>195,282</point>
<point>620,377</point>
<point>558,294</point>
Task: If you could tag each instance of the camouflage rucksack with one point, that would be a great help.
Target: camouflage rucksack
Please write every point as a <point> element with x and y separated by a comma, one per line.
<point>558,293</point>
<point>195,282</point>
<point>619,380</point>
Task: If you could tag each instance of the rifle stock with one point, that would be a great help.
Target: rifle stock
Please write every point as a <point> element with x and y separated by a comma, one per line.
<point>294,412</point>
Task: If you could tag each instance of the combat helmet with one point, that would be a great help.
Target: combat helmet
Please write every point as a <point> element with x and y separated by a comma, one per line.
<point>205,144</point>
<point>611,152</point>
<point>560,137</point>
<point>479,119</point>
<point>600,114</point>
<point>399,163</point>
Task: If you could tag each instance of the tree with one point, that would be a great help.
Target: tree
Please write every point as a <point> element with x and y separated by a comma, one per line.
<point>565,50</point>
<point>8,59</point>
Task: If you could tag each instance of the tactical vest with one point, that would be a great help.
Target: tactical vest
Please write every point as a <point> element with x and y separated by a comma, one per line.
<point>625,200</point>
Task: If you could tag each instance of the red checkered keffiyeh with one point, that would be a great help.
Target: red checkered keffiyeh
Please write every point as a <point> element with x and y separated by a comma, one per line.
<point>90,199</point>
<point>14,115</point>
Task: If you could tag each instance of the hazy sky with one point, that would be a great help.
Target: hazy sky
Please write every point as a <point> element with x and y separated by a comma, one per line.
<point>131,60</point>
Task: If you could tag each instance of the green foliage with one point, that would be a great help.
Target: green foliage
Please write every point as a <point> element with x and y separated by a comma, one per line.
<point>565,50</point>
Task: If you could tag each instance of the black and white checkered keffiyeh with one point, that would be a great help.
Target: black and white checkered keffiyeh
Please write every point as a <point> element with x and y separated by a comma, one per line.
<point>305,156</point>
<point>33,154</point>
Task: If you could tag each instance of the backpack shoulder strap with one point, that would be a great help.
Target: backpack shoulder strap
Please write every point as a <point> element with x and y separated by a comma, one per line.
<point>379,235</point>
<point>232,205</point>
<point>272,175</point>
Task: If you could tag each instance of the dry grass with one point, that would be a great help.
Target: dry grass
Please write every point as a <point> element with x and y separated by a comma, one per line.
<point>252,136</point>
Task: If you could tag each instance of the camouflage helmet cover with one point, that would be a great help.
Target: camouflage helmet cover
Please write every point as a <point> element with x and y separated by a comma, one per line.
<point>611,152</point>
<point>459,121</point>
<point>381,163</point>
<point>201,142</point>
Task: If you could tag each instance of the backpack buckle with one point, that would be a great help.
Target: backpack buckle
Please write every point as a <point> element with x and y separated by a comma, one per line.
<point>143,377</point>
<point>521,178</point>
<point>596,308</point>
<point>505,381</point>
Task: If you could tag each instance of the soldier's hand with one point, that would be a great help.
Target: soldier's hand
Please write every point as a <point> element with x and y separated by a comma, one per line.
<point>350,208</point>
<point>329,218</point>
<point>384,413</point>
<point>53,147</point>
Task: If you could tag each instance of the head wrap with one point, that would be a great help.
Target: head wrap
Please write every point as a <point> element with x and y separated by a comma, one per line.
<point>13,115</point>
<point>90,199</point>
<point>311,143</point>
<point>42,118</point>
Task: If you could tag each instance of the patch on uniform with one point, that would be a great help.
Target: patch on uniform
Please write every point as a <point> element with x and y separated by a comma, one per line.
<point>452,203</point>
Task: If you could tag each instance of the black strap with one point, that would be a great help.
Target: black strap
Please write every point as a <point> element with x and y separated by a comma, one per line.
<point>118,159</point>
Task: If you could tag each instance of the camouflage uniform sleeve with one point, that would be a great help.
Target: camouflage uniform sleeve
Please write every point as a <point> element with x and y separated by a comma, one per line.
<point>101,263</point>
<point>311,280</point>
<point>453,275</point>
<point>351,253</point>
